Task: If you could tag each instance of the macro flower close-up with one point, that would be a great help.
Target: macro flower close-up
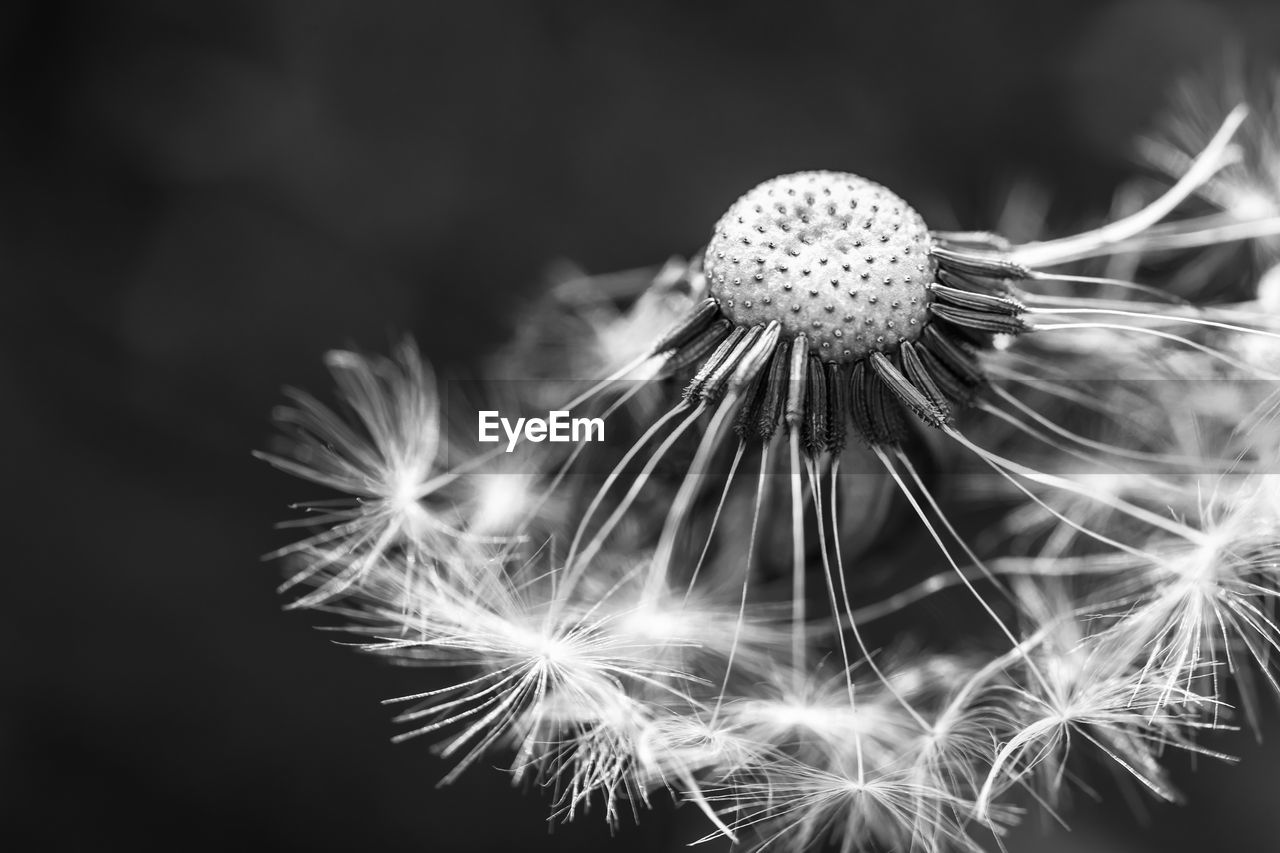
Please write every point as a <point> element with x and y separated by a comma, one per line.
<point>586,429</point>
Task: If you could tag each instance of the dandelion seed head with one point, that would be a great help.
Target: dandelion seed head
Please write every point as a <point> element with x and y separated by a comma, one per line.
<point>1202,608</point>
<point>1248,185</point>
<point>621,336</point>
<point>794,805</point>
<point>795,714</point>
<point>500,501</point>
<point>796,244</point>
<point>1203,563</point>
<point>654,623</point>
<point>693,628</point>
<point>1269,292</point>
<point>673,746</point>
<point>589,325</point>
<point>1253,203</point>
<point>380,449</point>
<point>836,715</point>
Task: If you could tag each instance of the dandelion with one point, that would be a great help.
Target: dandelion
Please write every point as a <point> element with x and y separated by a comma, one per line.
<point>1247,188</point>
<point>1198,608</point>
<point>798,807</point>
<point>580,330</point>
<point>1086,686</point>
<point>807,718</point>
<point>694,617</point>
<point>384,458</point>
<point>534,661</point>
<point>830,301</point>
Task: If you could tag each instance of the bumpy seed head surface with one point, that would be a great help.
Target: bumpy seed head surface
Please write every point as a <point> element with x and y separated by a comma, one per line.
<point>830,255</point>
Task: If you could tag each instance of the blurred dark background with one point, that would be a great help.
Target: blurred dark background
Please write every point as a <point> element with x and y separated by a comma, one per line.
<point>199,198</point>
